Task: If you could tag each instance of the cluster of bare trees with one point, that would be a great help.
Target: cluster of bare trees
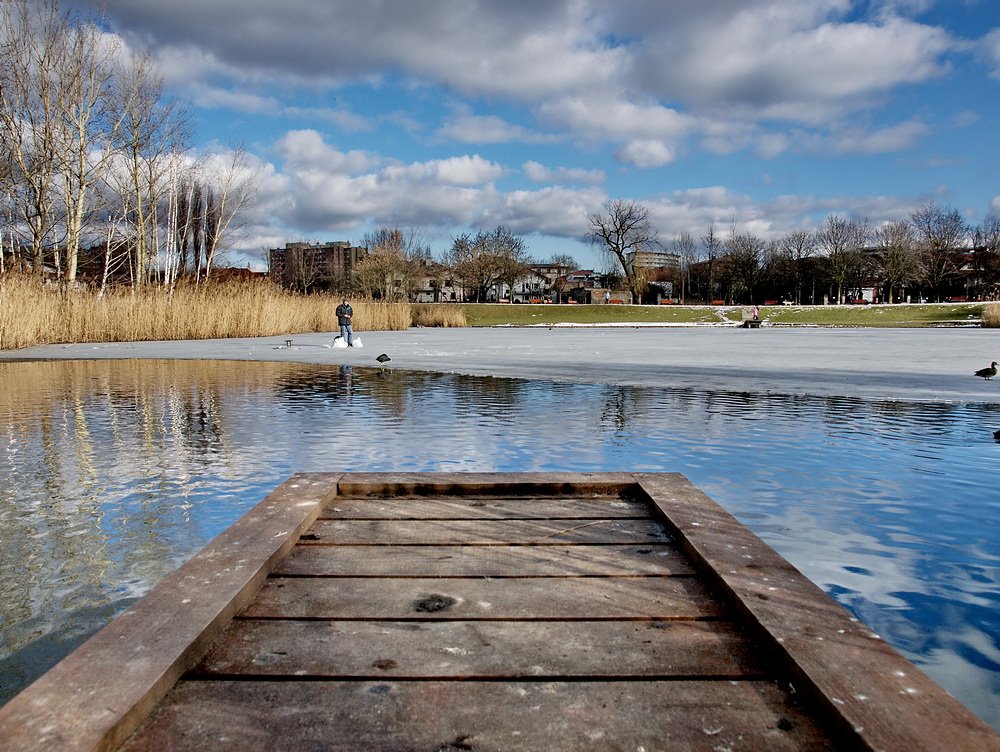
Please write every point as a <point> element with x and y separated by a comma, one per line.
<point>496,258</point>
<point>934,253</point>
<point>96,168</point>
<point>393,264</point>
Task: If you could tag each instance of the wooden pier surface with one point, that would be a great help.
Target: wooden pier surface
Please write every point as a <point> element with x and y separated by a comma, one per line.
<point>487,612</point>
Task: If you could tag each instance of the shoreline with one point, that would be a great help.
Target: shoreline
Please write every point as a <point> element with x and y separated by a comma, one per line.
<point>925,364</point>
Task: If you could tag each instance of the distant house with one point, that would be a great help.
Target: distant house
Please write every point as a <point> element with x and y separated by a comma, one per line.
<point>433,283</point>
<point>531,287</point>
<point>308,266</point>
<point>551,272</point>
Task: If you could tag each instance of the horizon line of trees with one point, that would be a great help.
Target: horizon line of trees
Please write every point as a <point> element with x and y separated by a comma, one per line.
<point>96,166</point>
<point>935,252</point>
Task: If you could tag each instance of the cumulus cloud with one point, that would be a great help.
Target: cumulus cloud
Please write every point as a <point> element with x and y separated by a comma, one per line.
<point>645,153</point>
<point>306,150</point>
<point>989,48</point>
<point>487,129</point>
<point>891,138</point>
<point>539,173</point>
<point>769,67</point>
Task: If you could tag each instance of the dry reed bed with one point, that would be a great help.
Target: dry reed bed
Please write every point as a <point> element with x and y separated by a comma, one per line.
<point>991,316</point>
<point>34,315</point>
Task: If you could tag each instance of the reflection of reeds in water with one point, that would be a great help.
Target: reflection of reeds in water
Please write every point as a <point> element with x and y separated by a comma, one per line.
<point>39,385</point>
<point>991,316</point>
<point>33,315</point>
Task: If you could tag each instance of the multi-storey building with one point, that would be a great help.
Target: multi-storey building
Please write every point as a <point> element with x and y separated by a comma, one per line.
<point>307,266</point>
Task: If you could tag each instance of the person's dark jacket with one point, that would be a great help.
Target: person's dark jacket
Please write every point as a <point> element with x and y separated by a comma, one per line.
<point>344,314</point>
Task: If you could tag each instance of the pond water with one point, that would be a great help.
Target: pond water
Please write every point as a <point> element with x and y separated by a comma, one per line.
<point>115,472</point>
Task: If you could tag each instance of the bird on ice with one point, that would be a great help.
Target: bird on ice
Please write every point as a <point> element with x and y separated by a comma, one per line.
<point>383,359</point>
<point>988,373</point>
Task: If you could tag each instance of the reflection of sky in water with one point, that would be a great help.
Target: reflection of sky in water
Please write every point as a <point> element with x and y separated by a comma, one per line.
<point>114,473</point>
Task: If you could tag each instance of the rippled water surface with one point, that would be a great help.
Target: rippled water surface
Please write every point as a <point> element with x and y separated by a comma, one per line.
<point>113,473</point>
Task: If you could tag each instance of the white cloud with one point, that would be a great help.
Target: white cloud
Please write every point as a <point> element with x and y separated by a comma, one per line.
<point>989,48</point>
<point>596,117</point>
<point>645,153</point>
<point>554,211</point>
<point>211,97</point>
<point>788,61</point>
<point>487,129</point>
<point>307,151</point>
<point>539,173</point>
<point>891,138</point>
<point>342,118</point>
<point>459,171</point>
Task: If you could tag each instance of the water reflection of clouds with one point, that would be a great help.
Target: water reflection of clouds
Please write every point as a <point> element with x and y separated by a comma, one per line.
<point>117,471</point>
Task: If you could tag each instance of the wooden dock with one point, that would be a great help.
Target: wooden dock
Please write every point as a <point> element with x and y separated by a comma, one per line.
<point>487,612</point>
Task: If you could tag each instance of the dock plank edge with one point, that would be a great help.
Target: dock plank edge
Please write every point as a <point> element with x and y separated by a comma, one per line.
<point>90,702</point>
<point>847,672</point>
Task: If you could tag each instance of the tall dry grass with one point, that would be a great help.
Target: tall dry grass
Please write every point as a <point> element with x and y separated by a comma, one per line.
<point>31,314</point>
<point>437,314</point>
<point>991,316</point>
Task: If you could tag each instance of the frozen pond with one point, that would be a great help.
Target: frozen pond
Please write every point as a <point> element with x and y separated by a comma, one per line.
<point>114,472</point>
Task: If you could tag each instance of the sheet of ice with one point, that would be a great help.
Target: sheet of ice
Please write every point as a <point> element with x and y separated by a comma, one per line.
<point>885,364</point>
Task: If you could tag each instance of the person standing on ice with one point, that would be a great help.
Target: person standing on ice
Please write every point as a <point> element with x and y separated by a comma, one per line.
<point>344,314</point>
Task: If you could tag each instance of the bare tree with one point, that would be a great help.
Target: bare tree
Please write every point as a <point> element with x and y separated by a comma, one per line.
<point>712,244</point>
<point>900,264</point>
<point>986,250</point>
<point>389,268</point>
<point>470,269</point>
<point>684,246</point>
<point>510,256</point>
<point>795,248</point>
<point>941,234</point>
<point>229,186</point>
<point>563,260</point>
<point>486,260</point>
<point>153,134</point>
<point>29,90</point>
<point>621,229</point>
<point>304,268</point>
<point>87,124</point>
<point>744,258</point>
<point>842,241</point>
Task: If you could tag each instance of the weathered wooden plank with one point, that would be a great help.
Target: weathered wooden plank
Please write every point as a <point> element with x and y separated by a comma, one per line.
<point>483,561</point>
<point>484,484</point>
<point>484,649</point>
<point>476,507</point>
<point>480,598</point>
<point>483,716</point>
<point>485,532</point>
<point>866,693</point>
<point>870,692</point>
<point>95,697</point>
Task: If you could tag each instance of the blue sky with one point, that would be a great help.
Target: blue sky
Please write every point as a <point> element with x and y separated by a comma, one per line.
<point>449,116</point>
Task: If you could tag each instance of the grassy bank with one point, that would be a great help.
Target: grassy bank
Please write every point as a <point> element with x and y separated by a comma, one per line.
<point>35,315</point>
<point>872,316</point>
